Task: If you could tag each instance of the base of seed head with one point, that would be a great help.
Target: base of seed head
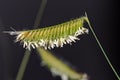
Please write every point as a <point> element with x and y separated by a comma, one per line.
<point>54,43</point>
<point>49,44</point>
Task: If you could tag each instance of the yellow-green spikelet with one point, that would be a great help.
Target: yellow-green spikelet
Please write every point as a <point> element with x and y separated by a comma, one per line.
<point>53,36</point>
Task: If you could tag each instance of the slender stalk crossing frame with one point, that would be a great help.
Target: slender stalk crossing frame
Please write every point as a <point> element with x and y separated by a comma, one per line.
<point>99,44</point>
<point>27,52</point>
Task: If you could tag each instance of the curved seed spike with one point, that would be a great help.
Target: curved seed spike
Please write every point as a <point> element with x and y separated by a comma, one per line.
<point>53,36</point>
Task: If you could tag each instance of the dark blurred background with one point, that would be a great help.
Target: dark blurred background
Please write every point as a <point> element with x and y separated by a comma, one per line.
<point>84,55</point>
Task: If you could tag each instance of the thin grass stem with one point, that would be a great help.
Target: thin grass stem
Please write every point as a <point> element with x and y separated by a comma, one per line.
<point>104,53</point>
<point>23,65</point>
<point>27,52</point>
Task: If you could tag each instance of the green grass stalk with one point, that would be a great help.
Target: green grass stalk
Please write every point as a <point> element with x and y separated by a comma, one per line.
<point>27,53</point>
<point>103,51</point>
